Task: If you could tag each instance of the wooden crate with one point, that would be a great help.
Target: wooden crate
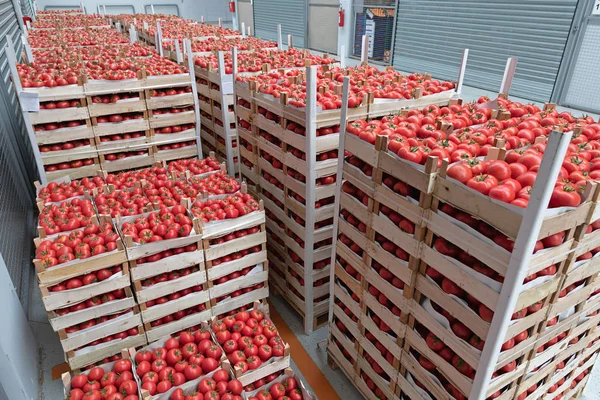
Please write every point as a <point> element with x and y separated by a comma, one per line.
<point>67,377</point>
<point>57,300</point>
<point>73,341</point>
<point>129,162</point>
<point>134,104</point>
<point>65,134</point>
<point>77,267</point>
<point>273,365</point>
<point>185,260</point>
<point>81,358</point>
<point>170,119</point>
<point>288,373</point>
<point>60,322</point>
<point>66,156</point>
<point>117,128</point>
<point>136,251</point>
<point>158,343</point>
<point>75,173</point>
<point>46,116</point>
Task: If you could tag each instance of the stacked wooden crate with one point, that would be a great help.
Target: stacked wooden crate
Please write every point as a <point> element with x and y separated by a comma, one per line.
<point>172,117</point>
<point>99,122</point>
<point>215,89</point>
<point>236,258</point>
<point>410,315</point>
<point>120,123</point>
<point>63,132</point>
<point>87,296</point>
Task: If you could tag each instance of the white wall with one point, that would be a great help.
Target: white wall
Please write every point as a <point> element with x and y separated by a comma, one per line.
<point>191,9</point>
<point>18,348</point>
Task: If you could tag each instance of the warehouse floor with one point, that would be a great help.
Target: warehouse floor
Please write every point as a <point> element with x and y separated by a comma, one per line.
<point>322,381</point>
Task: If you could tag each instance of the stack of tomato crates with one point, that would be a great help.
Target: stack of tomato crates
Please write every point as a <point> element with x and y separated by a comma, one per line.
<point>168,275</point>
<point>120,123</point>
<point>63,131</point>
<point>275,140</point>
<point>84,279</point>
<point>420,263</point>
<point>90,119</point>
<point>234,250</point>
<point>172,117</point>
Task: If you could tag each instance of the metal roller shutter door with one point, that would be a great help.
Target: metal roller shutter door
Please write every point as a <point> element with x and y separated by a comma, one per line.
<point>430,36</point>
<point>17,166</point>
<point>291,14</point>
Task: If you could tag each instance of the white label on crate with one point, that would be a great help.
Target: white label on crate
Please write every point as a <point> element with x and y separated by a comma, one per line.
<point>30,102</point>
<point>596,9</point>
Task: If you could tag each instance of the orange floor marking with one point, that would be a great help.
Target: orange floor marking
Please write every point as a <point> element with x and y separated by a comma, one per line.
<point>311,372</point>
<point>59,369</point>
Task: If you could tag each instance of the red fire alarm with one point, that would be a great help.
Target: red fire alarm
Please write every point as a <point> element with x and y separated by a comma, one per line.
<point>232,6</point>
<point>341,18</point>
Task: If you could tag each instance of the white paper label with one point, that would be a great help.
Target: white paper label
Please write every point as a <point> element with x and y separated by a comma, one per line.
<point>596,9</point>
<point>30,102</point>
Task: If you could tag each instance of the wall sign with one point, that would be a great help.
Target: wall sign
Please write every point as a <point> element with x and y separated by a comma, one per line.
<point>596,9</point>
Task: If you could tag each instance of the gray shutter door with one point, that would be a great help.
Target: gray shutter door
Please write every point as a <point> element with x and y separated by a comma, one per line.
<point>291,14</point>
<point>17,165</point>
<point>430,36</point>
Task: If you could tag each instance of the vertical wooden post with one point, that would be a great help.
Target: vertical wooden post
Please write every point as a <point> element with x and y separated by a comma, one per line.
<point>178,54</point>
<point>249,31</point>
<point>520,259</point>
<point>220,23</point>
<point>364,53</point>
<point>243,30</point>
<point>132,34</point>
<point>461,73</point>
<point>159,47</point>
<point>12,63</point>
<point>311,176</point>
<point>152,8</point>
<point>290,42</point>
<point>225,116</point>
<point>338,193</point>
<point>234,55</point>
<point>188,44</point>
<point>27,47</point>
<point>342,56</point>
<point>279,39</point>
<point>509,74</point>
<point>104,9</point>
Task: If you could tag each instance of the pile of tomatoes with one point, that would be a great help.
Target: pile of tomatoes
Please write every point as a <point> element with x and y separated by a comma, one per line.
<point>177,360</point>
<point>253,62</point>
<point>168,223</point>
<point>66,216</point>
<point>99,384</point>
<point>123,202</point>
<point>284,389</point>
<point>215,184</point>
<point>512,179</point>
<point>388,84</point>
<point>230,207</point>
<point>249,339</point>
<point>93,240</point>
<point>195,166</point>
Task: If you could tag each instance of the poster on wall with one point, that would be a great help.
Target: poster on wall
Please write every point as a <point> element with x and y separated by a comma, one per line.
<point>596,9</point>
